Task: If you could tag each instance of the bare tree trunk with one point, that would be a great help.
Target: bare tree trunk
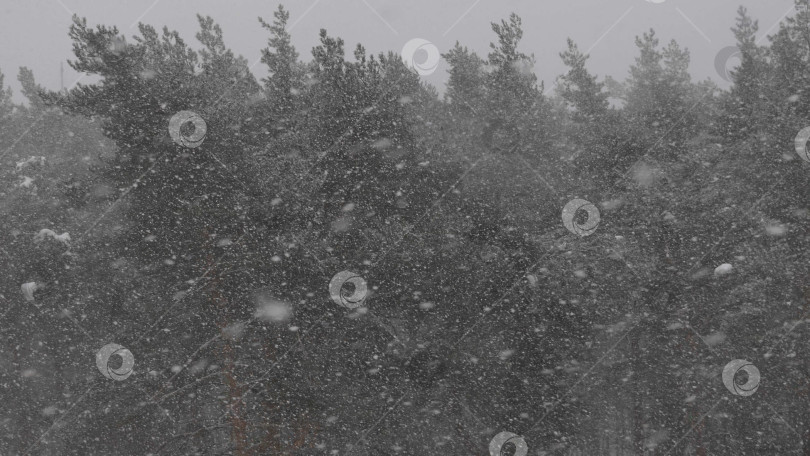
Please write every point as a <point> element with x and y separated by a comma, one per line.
<point>638,402</point>
<point>238,423</point>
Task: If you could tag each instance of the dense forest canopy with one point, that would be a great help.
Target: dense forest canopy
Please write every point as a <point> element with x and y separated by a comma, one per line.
<point>335,259</point>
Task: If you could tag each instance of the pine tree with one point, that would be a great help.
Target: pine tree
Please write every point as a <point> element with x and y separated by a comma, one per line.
<point>581,89</point>
<point>660,95</point>
<point>514,101</point>
<point>285,80</point>
<point>465,86</point>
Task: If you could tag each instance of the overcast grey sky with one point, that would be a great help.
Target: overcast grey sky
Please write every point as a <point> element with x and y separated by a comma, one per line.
<point>34,33</point>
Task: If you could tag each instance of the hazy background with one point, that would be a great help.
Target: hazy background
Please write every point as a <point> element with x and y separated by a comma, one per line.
<point>34,33</point>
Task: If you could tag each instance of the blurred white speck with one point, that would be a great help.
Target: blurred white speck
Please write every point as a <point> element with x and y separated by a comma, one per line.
<point>271,309</point>
<point>382,144</point>
<point>506,354</point>
<point>29,373</point>
<point>723,269</point>
<point>426,305</point>
<point>775,229</point>
<point>715,338</point>
<point>233,331</point>
<point>341,224</point>
<point>644,175</point>
<point>610,205</point>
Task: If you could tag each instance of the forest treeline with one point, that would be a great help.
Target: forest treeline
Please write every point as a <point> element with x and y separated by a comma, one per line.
<point>211,264</point>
